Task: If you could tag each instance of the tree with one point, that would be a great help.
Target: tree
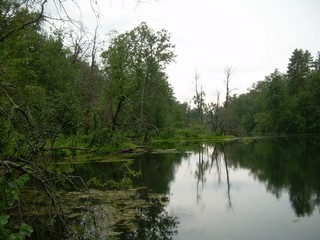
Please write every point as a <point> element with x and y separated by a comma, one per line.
<point>198,98</point>
<point>34,68</point>
<point>213,113</point>
<point>299,68</point>
<point>313,103</point>
<point>228,71</point>
<point>14,16</point>
<point>134,66</point>
<point>154,51</point>
<point>276,102</point>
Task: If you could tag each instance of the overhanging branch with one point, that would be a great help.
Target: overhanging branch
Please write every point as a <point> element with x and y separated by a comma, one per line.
<point>37,19</point>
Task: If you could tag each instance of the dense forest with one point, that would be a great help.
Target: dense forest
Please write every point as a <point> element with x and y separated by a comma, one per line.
<point>284,103</point>
<point>57,96</point>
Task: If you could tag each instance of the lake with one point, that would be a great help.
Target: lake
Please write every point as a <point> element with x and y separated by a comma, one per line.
<point>242,189</point>
<point>257,189</point>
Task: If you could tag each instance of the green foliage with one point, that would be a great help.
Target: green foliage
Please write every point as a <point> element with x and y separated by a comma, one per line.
<point>134,66</point>
<point>298,70</point>
<point>10,185</point>
<point>124,183</point>
<point>194,133</point>
<point>282,103</point>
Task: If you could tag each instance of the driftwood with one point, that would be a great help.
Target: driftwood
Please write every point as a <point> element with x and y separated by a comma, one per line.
<point>130,150</point>
<point>71,149</point>
<point>68,148</point>
<point>126,150</point>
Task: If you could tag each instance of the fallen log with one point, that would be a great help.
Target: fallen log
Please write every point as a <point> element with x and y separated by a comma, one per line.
<point>130,150</point>
<point>72,149</point>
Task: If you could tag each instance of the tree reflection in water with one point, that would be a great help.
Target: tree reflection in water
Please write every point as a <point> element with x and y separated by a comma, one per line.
<point>153,223</point>
<point>285,164</point>
<point>209,157</point>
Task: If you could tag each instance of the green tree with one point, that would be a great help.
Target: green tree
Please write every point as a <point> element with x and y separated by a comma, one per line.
<point>34,68</point>
<point>15,16</point>
<point>134,66</point>
<point>313,104</point>
<point>299,68</point>
<point>276,105</point>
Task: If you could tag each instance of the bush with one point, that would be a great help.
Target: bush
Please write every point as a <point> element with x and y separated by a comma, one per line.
<point>10,185</point>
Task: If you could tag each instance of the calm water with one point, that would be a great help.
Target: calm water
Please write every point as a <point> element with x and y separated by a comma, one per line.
<point>262,189</point>
<point>265,189</point>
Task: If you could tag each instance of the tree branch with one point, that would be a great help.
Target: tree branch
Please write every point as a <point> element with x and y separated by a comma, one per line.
<point>2,38</point>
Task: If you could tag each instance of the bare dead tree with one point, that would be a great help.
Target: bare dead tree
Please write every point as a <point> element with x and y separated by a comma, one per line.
<point>228,71</point>
<point>80,44</point>
<point>198,98</point>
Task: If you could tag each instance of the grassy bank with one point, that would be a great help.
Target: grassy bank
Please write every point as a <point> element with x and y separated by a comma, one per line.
<point>189,134</point>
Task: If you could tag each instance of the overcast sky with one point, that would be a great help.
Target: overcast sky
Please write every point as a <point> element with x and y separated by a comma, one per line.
<point>254,37</point>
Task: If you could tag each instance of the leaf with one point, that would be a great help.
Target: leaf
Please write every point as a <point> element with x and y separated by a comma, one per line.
<point>4,219</point>
<point>25,230</point>
<point>13,236</point>
<point>22,180</point>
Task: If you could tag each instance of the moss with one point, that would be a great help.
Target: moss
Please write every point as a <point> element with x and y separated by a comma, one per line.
<point>103,211</point>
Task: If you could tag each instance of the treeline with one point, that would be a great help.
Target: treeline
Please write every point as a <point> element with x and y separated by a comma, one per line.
<point>53,94</point>
<point>76,95</point>
<point>283,103</point>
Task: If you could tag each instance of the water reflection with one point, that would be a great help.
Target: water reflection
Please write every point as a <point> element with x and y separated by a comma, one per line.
<point>207,180</point>
<point>157,170</point>
<point>271,186</point>
<point>212,157</point>
<point>291,165</point>
<point>153,223</point>
<point>203,180</point>
<point>283,164</point>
